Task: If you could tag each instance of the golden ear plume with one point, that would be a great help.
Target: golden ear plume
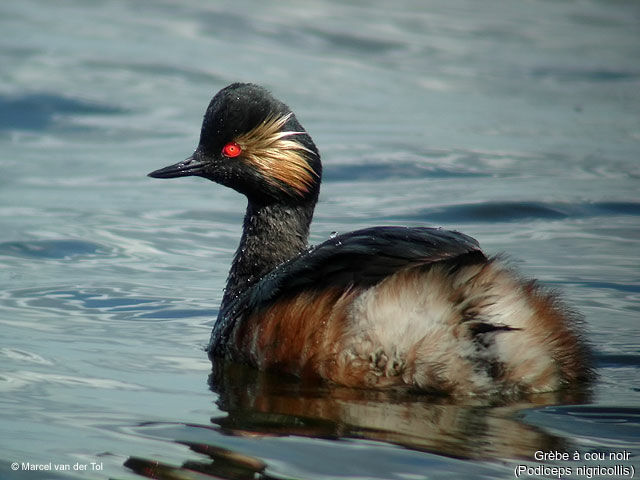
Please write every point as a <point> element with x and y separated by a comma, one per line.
<point>278,157</point>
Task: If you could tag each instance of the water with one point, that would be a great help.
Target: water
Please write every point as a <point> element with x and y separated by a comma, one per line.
<point>517,123</point>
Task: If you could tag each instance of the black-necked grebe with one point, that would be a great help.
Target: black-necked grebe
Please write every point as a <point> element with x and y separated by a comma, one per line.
<point>382,307</point>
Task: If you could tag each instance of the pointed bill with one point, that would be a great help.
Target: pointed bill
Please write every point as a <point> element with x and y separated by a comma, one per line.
<point>194,165</point>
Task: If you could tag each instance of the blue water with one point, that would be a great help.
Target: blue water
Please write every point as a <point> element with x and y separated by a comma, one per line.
<point>515,122</point>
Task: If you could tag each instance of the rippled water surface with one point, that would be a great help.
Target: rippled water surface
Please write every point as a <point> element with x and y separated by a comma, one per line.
<point>515,122</point>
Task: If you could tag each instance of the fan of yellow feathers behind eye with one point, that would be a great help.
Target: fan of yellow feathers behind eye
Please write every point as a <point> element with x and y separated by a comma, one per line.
<point>279,158</point>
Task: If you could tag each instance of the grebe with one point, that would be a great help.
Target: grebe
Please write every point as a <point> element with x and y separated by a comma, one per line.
<point>383,307</point>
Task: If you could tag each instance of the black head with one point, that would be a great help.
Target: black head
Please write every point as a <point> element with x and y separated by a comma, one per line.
<point>253,143</point>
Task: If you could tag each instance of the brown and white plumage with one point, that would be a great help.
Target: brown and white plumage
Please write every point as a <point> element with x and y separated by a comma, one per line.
<point>384,307</point>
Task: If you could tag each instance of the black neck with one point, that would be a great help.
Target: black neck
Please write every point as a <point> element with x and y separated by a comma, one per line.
<point>271,235</point>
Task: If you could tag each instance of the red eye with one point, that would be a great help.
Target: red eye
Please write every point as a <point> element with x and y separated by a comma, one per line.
<point>231,149</point>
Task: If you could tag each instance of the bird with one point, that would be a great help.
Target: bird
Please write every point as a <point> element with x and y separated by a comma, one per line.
<point>389,307</point>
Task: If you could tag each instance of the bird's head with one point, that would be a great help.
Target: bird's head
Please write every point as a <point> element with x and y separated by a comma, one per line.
<point>253,143</point>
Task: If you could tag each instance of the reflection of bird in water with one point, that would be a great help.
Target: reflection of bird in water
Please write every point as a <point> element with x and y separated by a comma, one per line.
<point>383,307</point>
<point>263,405</point>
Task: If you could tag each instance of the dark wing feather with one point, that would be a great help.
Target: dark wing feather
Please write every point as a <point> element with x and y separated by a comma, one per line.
<point>360,258</point>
